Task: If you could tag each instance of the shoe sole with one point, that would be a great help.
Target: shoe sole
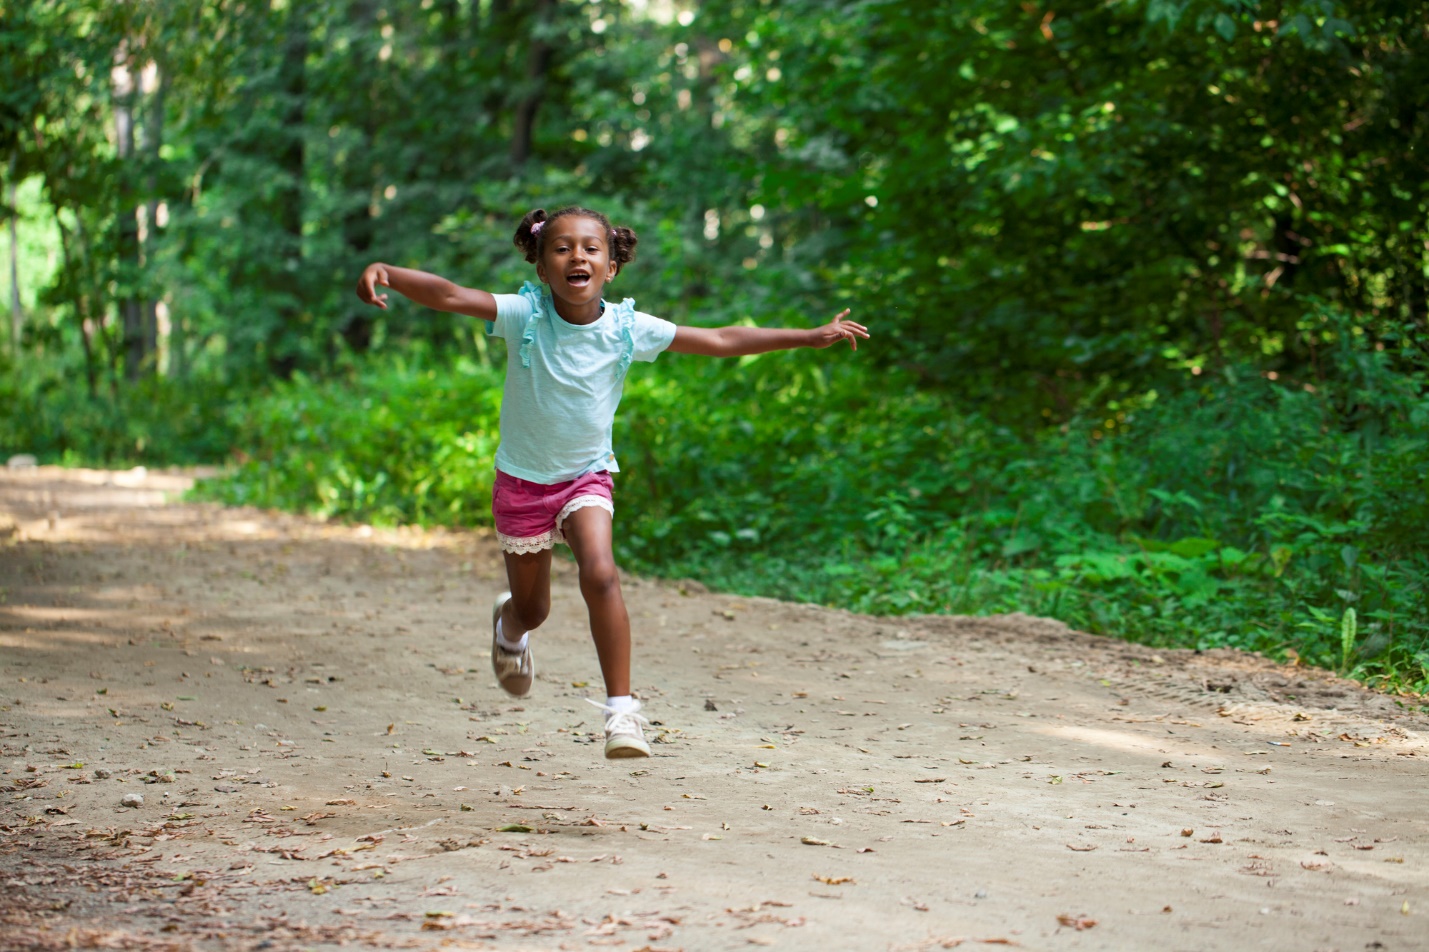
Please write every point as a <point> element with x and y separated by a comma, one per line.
<point>495,614</point>
<point>626,750</point>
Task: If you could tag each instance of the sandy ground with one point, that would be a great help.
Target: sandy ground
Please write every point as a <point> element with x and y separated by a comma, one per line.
<point>308,714</point>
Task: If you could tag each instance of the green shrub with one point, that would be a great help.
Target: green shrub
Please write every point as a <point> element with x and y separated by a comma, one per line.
<point>1239,513</point>
<point>158,421</point>
<point>396,443</point>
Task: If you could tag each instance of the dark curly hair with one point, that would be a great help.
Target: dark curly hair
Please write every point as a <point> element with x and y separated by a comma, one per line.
<point>621,241</point>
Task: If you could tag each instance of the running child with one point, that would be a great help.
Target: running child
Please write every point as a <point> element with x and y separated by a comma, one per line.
<point>568,350</point>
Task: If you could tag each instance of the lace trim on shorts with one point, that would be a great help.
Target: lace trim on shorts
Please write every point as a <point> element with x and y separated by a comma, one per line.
<point>547,540</point>
<point>580,502</point>
<point>519,546</point>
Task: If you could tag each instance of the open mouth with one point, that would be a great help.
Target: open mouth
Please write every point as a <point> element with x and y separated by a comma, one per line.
<point>578,279</point>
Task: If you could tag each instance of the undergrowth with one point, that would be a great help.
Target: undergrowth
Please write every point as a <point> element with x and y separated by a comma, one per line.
<point>158,421</point>
<point>1239,513</point>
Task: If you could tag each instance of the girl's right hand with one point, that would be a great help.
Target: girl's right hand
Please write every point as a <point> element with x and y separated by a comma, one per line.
<point>372,276</point>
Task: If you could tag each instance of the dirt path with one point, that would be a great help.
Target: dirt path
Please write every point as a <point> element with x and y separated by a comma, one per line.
<point>324,759</point>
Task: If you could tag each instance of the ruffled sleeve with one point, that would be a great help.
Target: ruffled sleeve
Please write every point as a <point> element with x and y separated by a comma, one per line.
<point>536,295</point>
<point>624,314</point>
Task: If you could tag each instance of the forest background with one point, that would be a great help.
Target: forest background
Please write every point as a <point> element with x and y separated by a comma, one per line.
<point>1148,282</point>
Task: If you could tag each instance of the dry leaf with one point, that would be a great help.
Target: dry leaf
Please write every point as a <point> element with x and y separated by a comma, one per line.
<point>836,880</point>
<point>1077,922</point>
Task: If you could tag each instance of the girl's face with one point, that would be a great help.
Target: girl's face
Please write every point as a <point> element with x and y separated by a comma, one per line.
<point>575,261</point>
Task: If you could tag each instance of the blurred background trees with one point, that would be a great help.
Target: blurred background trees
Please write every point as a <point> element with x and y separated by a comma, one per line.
<point>1197,229</point>
<point>1042,202</point>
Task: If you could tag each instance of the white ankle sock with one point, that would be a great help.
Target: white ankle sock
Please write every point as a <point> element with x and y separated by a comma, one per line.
<point>621,704</point>
<point>507,646</point>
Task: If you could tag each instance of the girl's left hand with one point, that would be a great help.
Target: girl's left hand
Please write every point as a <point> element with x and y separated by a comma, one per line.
<point>839,329</point>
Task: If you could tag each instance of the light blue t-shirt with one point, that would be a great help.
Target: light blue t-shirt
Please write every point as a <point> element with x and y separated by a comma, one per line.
<point>564,381</point>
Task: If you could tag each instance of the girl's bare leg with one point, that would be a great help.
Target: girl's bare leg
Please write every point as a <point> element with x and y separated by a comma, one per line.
<point>529,576</point>
<point>588,532</point>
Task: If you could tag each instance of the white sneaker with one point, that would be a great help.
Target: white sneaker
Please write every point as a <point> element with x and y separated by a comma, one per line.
<point>623,734</point>
<point>514,670</point>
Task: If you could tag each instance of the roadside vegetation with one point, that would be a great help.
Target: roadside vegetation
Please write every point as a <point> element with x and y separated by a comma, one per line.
<point>1148,283</point>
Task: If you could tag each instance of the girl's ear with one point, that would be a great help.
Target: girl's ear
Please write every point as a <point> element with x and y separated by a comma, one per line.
<point>541,272</point>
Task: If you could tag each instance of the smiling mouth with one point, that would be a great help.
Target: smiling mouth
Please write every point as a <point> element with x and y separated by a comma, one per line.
<point>578,279</point>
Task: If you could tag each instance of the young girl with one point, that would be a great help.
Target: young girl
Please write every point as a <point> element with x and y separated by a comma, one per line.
<point>568,351</point>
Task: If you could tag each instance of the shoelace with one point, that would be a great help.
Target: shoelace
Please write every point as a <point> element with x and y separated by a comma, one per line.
<point>522,659</point>
<point>615,722</point>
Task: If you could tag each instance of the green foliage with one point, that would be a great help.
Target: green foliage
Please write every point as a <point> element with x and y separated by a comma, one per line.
<point>1232,514</point>
<point>402,443</point>
<point>1148,280</point>
<point>157,422</point>
<point>1059,205</point>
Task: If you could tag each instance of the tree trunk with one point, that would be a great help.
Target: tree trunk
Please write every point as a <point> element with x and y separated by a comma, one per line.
<point>285,345</point>
<point>151,139</point>
<point>357,225</point>
<point>86,326</point>
<point>130,309</point>
<point>495,45</point>
<point>538,62</point>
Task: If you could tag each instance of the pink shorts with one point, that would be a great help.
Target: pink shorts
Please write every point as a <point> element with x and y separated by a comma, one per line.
<point>529,515</point>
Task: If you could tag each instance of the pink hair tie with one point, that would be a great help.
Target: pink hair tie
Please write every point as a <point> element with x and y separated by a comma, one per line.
<point>536,228</point>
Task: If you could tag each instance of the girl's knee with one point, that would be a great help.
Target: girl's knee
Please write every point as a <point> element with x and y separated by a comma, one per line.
<point>599,578</point>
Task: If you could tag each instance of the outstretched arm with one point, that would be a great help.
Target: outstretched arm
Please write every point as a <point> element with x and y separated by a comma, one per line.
<point>427,289</point>
<point>738,341</point>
